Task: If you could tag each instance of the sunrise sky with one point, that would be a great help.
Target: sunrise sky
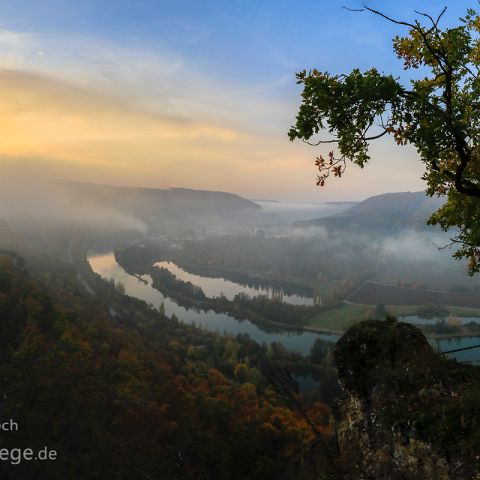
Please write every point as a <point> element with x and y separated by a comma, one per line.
<point>186,93</point>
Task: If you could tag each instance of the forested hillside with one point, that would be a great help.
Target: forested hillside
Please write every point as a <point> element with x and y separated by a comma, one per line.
<point>160,207</point>
<point>118,390</point>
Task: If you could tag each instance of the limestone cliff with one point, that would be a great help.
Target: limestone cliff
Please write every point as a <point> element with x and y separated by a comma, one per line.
<point>407,412</point>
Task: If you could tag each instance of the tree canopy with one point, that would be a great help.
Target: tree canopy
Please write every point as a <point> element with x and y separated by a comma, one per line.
<point>439,114</point>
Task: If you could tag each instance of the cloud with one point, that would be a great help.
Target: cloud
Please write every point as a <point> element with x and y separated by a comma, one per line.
<point>45,116</point>
<point>72,132</point>
<point>88,109</point>
<point>10,39</point>
<point>151,78</point>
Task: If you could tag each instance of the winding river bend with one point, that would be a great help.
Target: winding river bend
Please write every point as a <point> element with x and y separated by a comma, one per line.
<point>214,287</point>
<point>297,341</point>
<point>105,265</point>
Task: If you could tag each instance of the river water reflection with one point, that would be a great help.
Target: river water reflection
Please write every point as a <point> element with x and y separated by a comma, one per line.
<point>105,265</point>
<point>214,287</point>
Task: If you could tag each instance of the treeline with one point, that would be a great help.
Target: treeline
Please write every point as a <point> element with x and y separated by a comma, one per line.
<point>168,282</point>
<point>121,391</point>
<point>283,258</point>
<point>138,258</point>
<point>336,265</point>
<point>260,308</point>
<point>249,280</point>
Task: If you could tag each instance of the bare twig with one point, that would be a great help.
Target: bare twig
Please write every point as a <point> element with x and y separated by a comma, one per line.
<point>353,9</point>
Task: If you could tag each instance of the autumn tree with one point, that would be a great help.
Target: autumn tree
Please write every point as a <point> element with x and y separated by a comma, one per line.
<point>439,114</point>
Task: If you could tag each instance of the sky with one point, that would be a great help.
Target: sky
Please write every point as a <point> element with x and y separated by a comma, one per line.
<point>190,93</point>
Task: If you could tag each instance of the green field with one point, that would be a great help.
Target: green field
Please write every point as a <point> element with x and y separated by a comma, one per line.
<point>339,318</point>
<point>343,316</point>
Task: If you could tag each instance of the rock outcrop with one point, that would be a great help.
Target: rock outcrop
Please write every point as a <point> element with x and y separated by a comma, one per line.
<point>407,412</point>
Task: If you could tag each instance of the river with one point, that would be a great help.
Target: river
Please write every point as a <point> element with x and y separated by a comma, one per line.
<point>296,341</point>
<point>451,343</point>
<point>216,286</point>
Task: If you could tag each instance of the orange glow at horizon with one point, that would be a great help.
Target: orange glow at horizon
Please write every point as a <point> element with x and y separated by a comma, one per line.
<point>53,129</point>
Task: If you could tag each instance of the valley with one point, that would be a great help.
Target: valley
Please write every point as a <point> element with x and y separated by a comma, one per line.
<point>271,280</point>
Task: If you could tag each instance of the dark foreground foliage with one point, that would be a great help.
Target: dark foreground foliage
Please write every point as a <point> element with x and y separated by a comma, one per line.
<point>121,391</point>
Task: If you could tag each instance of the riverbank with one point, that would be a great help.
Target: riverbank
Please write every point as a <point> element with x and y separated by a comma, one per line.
<point>295,338</point>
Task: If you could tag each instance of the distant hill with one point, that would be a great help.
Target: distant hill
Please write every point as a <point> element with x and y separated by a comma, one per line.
<point>386,212</point>
<point>161,207</point>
